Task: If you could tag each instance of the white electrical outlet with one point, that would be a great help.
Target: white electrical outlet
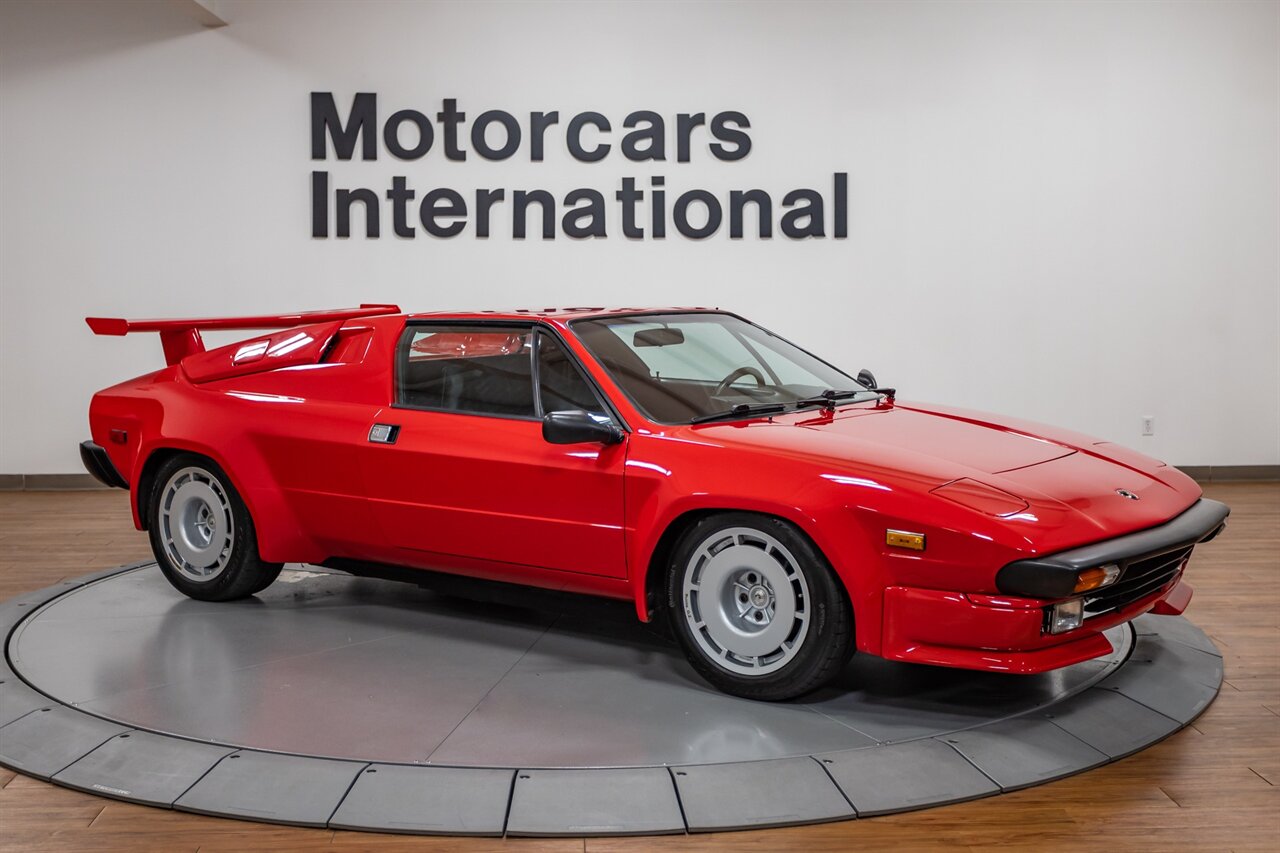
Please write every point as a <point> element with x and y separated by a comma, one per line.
<point>1148,424</point>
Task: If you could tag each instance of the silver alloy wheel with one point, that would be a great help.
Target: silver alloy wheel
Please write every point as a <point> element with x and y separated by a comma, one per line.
<point>746,601</point>
<point>196,525</point>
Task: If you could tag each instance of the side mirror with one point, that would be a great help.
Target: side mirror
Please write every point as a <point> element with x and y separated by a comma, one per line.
<point>576,426</point>
<point>866,377</point>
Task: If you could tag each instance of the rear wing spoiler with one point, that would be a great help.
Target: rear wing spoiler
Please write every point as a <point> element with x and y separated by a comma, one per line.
<point>181,337</point>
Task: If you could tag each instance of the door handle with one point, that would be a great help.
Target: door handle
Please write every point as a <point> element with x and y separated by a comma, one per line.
<point>384,433</point>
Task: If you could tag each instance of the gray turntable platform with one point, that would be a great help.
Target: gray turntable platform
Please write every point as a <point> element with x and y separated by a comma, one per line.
<point>352,703</point>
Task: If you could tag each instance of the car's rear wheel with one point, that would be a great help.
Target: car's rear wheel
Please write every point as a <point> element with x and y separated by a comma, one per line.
<point>202,534</point>
<point>757,608</point>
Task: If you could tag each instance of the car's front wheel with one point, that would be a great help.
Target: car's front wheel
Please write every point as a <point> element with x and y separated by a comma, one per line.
<point>202,534</point>
<point>756,607</point>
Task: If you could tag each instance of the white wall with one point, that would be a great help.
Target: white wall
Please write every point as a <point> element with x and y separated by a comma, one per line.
<point>1064,211</point>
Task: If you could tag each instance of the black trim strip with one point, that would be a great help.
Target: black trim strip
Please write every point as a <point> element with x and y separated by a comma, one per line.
<point>1055,576</point>
<point>99,464</point>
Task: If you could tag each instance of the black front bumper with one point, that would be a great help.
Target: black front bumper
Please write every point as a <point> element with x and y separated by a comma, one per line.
<point>99,464</point>
<point>1055,576</point>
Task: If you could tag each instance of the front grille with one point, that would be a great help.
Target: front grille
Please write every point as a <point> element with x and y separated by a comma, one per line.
<point>1140,577</point>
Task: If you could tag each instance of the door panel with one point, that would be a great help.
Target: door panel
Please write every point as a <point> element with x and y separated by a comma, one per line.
<point>491,488</point>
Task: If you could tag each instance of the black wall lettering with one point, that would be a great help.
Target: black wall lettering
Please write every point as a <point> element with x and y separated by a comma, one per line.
<point>685,125</point>
<point>654,133</point>
<point>319,204</point>
<point>574,137</point>
<point>841,205</point>
<point>659,223</point>
<point>484,200</point>
<point>629,195</point>
<point>680,213</point>
<point>521,199</point>
<point>362,123</point>
<point>738,199</point>
<point>355,132</point>
<point>450,118</point>
<point>538,124</point>
<point>400,195</point>
<point>391,134</point>
<point>721,130</point>
<point>811,213</point>
<point>432,210</point>
<point>480,127</point>
<point>368,198</point>
<point>593,211</point>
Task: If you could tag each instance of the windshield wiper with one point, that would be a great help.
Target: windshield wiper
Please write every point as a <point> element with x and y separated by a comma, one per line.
<point>741,410</point>
<point>828,398</point>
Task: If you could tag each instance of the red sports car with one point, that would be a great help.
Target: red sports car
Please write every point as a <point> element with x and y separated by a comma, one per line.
<point>779,512</point>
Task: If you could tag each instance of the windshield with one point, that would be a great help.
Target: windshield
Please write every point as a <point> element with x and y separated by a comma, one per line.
<point>679,368</point>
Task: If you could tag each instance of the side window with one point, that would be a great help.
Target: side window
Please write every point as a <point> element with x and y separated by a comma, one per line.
<point>560,385</point>
<point>471,369</point>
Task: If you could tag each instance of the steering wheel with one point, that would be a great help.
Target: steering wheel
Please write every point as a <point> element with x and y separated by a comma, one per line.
<point>735,376</point>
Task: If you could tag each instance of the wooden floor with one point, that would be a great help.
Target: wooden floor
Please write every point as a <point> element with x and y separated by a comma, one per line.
<point>1212,786</point>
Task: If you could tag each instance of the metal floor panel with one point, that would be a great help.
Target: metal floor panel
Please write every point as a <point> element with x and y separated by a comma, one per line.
<point>17,699</point>
<point>269,787</point>
<point>782,792</point>
<point>1181,659</point>
<point>1111,722</point>
<point>427,800</point>
<point>1024,751</point>
<point>1178,629</point>
<point>1169,677</point>
<point>594,802</point>
<point>143,768</point>
<point>365,704</point>
<point>904,776</point>
<point>46,740</point>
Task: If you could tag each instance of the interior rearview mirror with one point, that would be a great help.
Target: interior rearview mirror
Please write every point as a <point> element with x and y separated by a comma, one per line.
<point>576,426</point>
<point>663,337</point>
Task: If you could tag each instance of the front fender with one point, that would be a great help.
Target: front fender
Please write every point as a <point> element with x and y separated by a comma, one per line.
<point>844,512</point>
<point>666,481</point>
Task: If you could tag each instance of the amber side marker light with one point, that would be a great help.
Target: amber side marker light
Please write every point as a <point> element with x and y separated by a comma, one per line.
<point>904,539</point>
<point>1097,577</point>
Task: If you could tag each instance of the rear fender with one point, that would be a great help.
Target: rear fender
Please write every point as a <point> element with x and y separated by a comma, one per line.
<point>280,536</point>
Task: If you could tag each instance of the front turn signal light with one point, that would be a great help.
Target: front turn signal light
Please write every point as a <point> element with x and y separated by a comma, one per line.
<point>1097,578</point>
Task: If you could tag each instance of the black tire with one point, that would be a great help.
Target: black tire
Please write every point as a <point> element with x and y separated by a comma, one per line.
<point>820,643</point>
<point>237,571</point>
<point>268,578</point>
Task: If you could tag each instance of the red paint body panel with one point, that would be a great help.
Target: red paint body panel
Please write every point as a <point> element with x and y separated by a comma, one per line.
<point>487,496</point>
<point>1175,602</point>
<point>289,348</point>
<point>923,626</point>
<point>493,489</point>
